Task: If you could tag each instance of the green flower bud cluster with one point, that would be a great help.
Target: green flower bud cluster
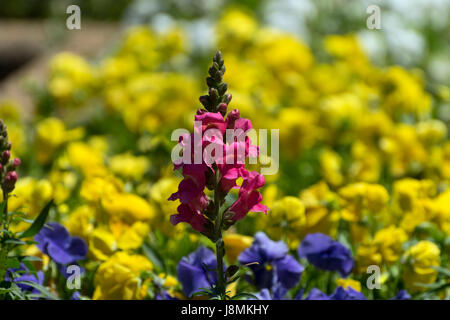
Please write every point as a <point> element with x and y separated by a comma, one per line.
<point>217,99</point>
<point>8,174</point>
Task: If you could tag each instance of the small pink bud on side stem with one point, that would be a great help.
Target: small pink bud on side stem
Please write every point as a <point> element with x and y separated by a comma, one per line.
<point>16,162</point>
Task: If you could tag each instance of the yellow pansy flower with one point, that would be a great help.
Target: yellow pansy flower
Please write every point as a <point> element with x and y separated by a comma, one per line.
<point>129,166</point>
<point>420,258</point>
<point>235,244</point>
<point>51,133</point>
<point>286,218</point>
<point>346,283</point>
<point>118,278</point>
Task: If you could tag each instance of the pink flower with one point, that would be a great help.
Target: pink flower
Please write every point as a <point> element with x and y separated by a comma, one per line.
<point>232,166</point>
<point>233,115</point>
<point>193,184</point>
<point>230,174</point>
<point>190,215</point>
<point>211,120</point>
<point>249,198</point>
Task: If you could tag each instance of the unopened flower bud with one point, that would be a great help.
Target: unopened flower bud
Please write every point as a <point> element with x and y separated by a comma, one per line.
<point>204,100</point>
<point>16,162</point>
<point>5,156</point>
<point>232,117</point>
<point>200,111</point>
<point>222,108</point>
<point>213,93</point>
<point>10,181</point>
<point>227,98</point>
<point>222,88</point>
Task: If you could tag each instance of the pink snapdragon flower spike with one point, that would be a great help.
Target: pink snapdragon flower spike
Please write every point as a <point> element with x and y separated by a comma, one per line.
<point>213,157</point>
<point>220,173</point>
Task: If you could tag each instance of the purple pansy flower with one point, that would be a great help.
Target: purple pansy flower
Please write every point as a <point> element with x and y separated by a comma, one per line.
<point>56,242</point>
<point>339,294</point>
<point>164,295</point>
<point>402,295</point>
<point>264,294</point>
<point>275,269</point>
<point>325,253</point>
<point>25,275</point>
<point>314,294</point>
<point>197,270</point>
<point>277,292</point>
<point>347,294</point>
<point>75,296</point>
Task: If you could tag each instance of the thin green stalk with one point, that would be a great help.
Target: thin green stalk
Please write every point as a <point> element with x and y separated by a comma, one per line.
<point>218,236</point>
<point>4,246</point>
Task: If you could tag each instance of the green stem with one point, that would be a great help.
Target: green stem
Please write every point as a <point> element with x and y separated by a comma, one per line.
<point>4,246</point>
<point>219,241</point>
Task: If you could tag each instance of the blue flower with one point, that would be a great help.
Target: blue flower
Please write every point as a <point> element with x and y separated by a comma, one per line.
<point>25,275</point>
<point>164,295</point>
<point>56,242</point>
<point>197,271</point>
<point>274,268</point>
<point>339,294</point>
<point>278,293</point>
<point>402,295</point>
<point>75,296</point>
<point>264,294</point>
<point>325,253</point>
<point>350,294</point>
<point>314,294</point>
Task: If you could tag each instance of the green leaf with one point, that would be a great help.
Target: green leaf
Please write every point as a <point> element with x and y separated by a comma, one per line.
<point>153,257</point>
<point>38,222</point>
<point>12,263</point>
<point>15,241</point>
<point>203,292</point>
<point>30,267</point>
<point>21,219</point>
<point>43,290</point>
<point>432,230</point>
<point>244,295</point>
<point>231,271</point>
<point>29,258</point>
<point>444,271</point>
